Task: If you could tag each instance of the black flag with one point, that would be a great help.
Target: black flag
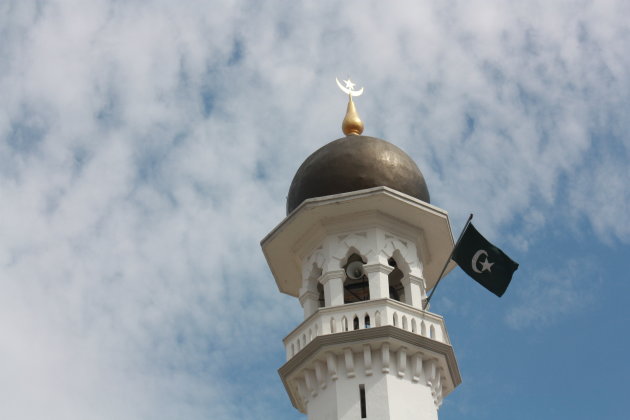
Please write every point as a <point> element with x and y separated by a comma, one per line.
<point>484,262</point>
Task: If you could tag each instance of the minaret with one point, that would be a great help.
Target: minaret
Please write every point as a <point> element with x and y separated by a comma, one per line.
<point>359,248</point>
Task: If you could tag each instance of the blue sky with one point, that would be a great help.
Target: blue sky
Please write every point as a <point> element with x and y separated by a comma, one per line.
<point>147,147</point>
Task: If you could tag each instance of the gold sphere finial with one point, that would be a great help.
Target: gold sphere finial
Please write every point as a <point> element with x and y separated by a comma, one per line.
<point>352,124</point>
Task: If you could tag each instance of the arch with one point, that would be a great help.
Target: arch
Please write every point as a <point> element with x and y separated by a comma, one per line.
<point>355,289</point>
<point>310,335</point>
<point>314,264</point>
<point>344,323</point>
<point>312,273</point>
<point>316,330</point>
<point>304,340</point>
<point>414,326</point>
<point>432,332</point>
<point>377,318</point>
<point>321,297</point>
<point>404,322</point>
<point>292,349</point>
<point>423,329</point>
<point>366,321</point>
<point>395,319</point>
<point>348,255</point>
<point>404,252</point>
<point>333,325</point>
<point>355,322</point>
<point>394,279</point>
<point>299,347</point>
<point>348,244</point>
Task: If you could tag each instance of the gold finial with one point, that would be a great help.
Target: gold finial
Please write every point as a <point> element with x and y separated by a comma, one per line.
<point>352,124</point>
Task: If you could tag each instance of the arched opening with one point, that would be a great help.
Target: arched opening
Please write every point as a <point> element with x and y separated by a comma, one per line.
<point>377,315</point>
<point>313,287</point>
<point>395,319</point>
<point>404,322</point>
<point>432,332</point>
<point>355,322</point>
<point>356,287</point>
<point>367,321</point>
<point>396,289</point>
<point>344,323</point>
<point>333,325</point>
<point>320,295</point>
<point>414,327</point>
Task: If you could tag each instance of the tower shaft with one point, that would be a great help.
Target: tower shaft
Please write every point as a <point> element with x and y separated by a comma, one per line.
<point>365,349</point>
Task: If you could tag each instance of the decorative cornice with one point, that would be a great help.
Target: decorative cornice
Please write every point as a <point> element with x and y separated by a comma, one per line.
<point>378,268</point>
<point>336,274</point>
<point>321,345</point>
<point>309,294</point>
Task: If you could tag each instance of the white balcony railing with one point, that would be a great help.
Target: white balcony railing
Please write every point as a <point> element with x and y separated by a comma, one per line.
<point>367,314</point>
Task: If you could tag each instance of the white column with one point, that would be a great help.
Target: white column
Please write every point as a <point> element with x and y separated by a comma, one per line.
<point>378,280</point>
<point>413,290</point>
<point>309,301</point>
<point>333,287</point>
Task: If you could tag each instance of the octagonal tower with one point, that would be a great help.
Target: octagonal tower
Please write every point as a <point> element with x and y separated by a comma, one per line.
<point>360,247</point>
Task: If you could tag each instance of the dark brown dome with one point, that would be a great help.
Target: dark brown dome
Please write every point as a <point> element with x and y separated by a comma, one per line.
<point>355,163</point>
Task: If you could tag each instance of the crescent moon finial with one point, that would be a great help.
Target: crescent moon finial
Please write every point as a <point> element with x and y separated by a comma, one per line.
<point>349,87</point>
<point>352,124</point>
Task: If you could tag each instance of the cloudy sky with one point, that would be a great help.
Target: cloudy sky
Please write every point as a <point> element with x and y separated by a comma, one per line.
<point>147,147</point>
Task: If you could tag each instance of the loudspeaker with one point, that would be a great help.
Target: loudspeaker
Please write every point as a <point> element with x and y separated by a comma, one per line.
<point>354,270</point>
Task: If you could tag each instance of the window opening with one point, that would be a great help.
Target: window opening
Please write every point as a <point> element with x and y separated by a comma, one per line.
<point>355,289</point>
<point>396,289</point>
<point>320,293</point>
<point>362,398</point>
<point>367,321</point>
<point>355,323</point>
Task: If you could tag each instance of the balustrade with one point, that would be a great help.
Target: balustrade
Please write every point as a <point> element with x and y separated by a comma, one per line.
<point>367,314</point>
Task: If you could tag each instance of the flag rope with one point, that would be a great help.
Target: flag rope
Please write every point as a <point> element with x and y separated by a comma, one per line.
<point>447,261</point>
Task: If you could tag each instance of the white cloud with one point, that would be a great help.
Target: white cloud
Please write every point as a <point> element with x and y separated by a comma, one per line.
<point>146,148</point>
<point>553,293</point>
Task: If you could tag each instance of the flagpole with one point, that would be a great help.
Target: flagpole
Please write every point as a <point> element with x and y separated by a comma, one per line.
<point>447,261</point>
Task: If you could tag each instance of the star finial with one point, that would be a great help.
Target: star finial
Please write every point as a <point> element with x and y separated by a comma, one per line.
<point>349,84</point>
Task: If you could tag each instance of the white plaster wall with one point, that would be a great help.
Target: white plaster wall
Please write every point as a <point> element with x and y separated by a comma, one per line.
<point>324,406</point>
<point>407,402</point>
<point>389,396</point>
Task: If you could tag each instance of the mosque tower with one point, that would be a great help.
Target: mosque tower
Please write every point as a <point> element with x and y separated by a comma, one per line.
<point>360,247</point>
